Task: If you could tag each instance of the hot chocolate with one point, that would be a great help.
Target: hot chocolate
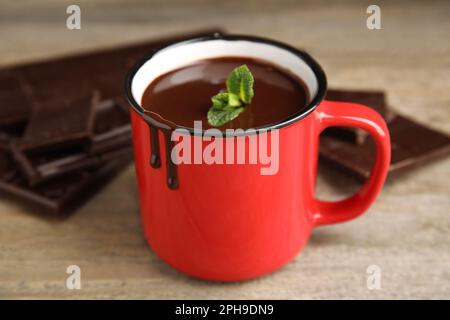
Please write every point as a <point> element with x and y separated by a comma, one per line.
<point>184,95</point>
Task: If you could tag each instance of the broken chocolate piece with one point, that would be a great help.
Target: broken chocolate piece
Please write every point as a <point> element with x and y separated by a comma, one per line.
<point>38,168</point>
<point>60,195</point>
<point>60,123</point>
<point>111,137</point>
<point>112,127</point>
<point>412,144</point>
<point>374,99</point>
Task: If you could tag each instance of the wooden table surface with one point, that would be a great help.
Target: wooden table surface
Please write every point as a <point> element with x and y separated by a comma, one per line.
<point>406,232</point>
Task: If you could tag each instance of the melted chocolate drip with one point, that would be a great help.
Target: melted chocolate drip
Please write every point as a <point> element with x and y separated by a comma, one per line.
<point>155,157</point>
<point>172,175</point>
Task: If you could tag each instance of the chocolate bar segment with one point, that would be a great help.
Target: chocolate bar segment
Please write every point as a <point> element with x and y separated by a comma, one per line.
<point>60,123</point>
<point>60,195</point>
<point>374,99</point>
<point>111,138</point>
<point>39,168</point>
<point>412,144</point>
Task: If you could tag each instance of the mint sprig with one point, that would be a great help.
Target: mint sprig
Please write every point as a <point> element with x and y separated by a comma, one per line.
<point>228,105</point>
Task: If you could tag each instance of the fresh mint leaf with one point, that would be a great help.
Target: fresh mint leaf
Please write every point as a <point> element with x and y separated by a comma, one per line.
<point>218,117</point>
<point>240,82</point>
<point>228,105</point>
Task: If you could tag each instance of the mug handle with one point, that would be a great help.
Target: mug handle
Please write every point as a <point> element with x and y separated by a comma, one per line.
<point>331,113</point>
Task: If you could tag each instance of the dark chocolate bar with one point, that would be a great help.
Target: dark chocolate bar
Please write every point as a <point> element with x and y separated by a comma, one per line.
<point>60,123</point>
<point>60,195</point>
<point>412,144</point>
<point>111,136</point>
<point>374,99</point>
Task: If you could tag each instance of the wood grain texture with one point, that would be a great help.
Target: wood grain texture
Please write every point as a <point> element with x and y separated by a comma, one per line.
<point>406,232</point>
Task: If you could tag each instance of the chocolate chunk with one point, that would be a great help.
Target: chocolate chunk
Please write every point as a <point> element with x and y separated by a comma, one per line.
<point>60,123</point>
<point>60,195</point>
<point>111,138</point>
<point>373,99</point>
<point>412,144</point>
<point>112,127</point>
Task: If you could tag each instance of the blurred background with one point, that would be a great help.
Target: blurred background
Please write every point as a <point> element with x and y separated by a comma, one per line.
<point>405,232</point>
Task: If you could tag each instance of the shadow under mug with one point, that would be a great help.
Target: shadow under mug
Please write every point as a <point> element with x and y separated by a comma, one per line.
<point>229,222</point>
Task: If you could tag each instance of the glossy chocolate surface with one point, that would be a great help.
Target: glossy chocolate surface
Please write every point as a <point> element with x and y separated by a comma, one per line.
<point>184,95</point>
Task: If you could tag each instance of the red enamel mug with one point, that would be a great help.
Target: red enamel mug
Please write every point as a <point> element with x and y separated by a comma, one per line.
<point>229,222</point>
